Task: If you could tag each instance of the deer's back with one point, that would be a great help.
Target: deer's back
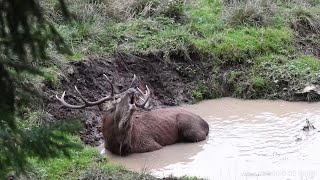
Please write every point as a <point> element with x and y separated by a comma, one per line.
<point>163,125</point>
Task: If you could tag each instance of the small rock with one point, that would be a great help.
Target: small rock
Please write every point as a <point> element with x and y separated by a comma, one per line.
<point>70,70</point>
<point>309,89</point>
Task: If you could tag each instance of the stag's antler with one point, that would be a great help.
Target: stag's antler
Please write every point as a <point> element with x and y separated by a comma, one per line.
<point>145,97</point>
<point>86,102</point>
<point>133,80</point>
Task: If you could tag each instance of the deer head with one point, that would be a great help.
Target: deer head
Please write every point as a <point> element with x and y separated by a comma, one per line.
<point>123,104</point>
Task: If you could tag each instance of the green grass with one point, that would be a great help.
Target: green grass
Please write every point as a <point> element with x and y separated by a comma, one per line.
<point>206,90</point>
<point>85,164</point>
<point>250,13</point>
<point>307,64</point>
<point>205,31</point>
<point>84,37</point>
<point>160,36</point>
<point>200,93</point>
<point>242,44</point>
<point>76,56</point>
<point>205,18</point>
<point>73,167</point>
<point>258,81</point>
<point>52,75</point>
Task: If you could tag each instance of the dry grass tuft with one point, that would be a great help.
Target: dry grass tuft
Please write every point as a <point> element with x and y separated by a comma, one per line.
<point>251,13</point>
<point>123,10</point>
<point>305,20</point>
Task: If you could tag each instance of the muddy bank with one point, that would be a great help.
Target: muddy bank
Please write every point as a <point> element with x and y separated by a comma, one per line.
<point>171,84</point>
<point>179,81</point>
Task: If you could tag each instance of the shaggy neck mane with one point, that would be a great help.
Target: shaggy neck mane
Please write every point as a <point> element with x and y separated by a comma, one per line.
<point>121,136</point>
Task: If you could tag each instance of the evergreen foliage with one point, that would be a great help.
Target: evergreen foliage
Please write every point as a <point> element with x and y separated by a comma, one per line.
<point>24,36</point>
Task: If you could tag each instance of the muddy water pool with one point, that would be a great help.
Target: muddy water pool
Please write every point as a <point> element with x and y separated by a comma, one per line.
<point>248,139</point>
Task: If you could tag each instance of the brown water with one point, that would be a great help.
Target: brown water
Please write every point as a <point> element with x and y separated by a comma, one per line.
<point>247,140</point>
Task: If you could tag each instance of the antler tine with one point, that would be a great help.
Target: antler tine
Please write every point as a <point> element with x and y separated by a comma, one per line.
<point>64,103</point>
<point>146,97</point>
<point>140,91</point>
<point>133,80</point>
<point>111,85</point>
<point>82,98</point>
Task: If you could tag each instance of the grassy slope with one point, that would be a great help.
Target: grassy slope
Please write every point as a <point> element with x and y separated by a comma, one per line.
<point>239,37</point>
<point>257,45</point>
<point>263,58</point>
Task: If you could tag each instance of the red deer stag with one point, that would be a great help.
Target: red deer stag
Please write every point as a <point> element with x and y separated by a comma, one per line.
<point>127,131</point>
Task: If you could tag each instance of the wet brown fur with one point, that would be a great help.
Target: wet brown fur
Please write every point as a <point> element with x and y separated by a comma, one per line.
<point>151,130</point>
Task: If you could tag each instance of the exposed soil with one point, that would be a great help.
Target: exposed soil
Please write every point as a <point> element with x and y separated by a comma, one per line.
<point>170,83</point>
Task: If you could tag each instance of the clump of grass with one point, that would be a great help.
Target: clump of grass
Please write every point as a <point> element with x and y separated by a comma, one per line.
<point>200,93</point>
<point>205,18</point>
<point>124,10</point>
<point>206,90</point>
<point>98,11</point>
<point>88,38</point>
<point>99,174</point>
<point>85,31</point>
<point>52,11</point>
<point>34,118</point>
<point>301,2</point>
<point>94,11</point>
<point>258,81</point>
<point>306,65</point>
<point>305,20</point>
<point>230,2</point>
<point>82,10</point>
<point>313,2</point>
<point>251,13</point>
<point>52,76</point>
<point>309,45</point>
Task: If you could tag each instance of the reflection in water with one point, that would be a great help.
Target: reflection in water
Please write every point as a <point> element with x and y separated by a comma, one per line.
<point>247,140</point>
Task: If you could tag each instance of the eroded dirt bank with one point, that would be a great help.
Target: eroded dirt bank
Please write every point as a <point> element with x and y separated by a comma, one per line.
<point>171,84</point>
